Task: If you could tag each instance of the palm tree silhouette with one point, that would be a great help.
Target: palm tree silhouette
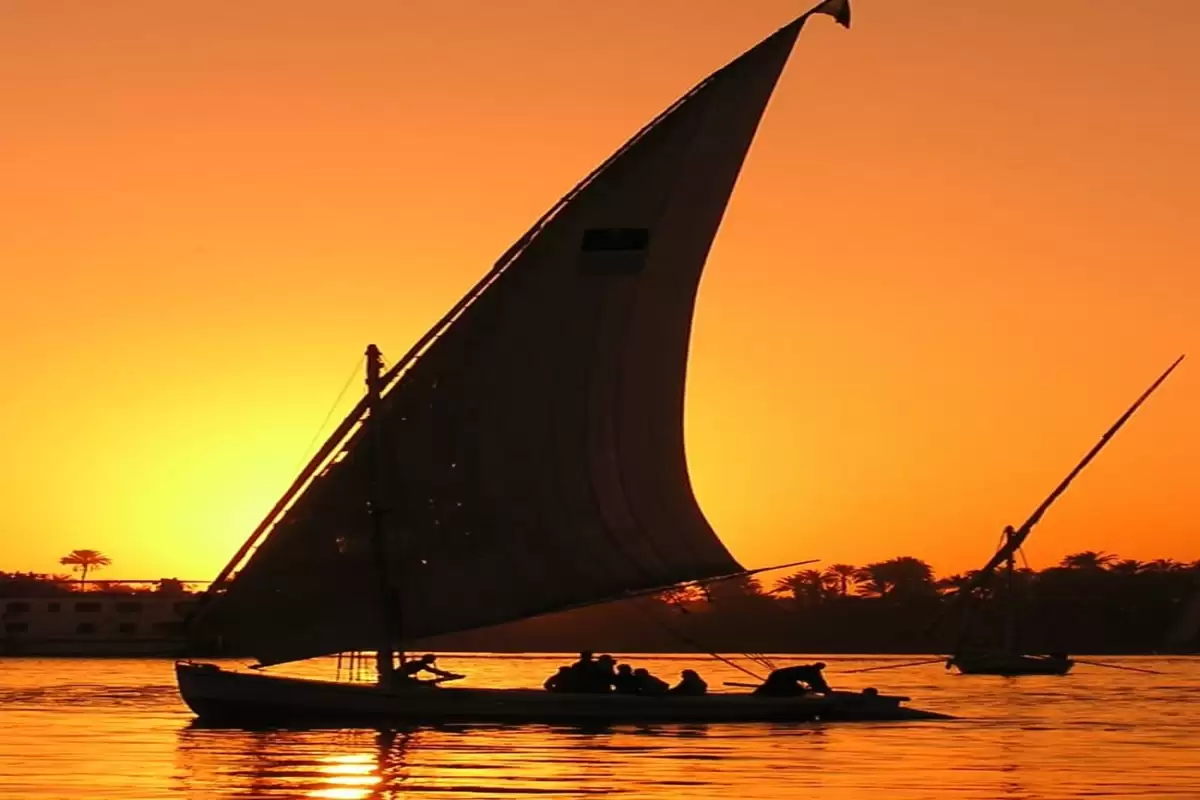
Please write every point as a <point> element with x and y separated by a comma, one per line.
<point>845,575</point>
<point>952,584</point>
<point>808,586</point>
<point>1088,559</point>
<point>900,576</point>
<point>84,560</point>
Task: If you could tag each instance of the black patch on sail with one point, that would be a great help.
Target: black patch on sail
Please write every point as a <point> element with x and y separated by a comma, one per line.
<point>614,250</point>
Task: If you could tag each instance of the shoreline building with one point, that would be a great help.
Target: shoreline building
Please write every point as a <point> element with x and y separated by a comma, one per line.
<point>110,619</point>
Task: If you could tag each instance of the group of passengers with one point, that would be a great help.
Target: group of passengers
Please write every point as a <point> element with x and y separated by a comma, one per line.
<point>601,675</point>
<point>591,675</point>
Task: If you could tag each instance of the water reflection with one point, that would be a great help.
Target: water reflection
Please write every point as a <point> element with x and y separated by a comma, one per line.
<point>117,731</point>
<point>354,776</point>
<point>483,761</point>
<point>341,765</point>
<point>444,761</point>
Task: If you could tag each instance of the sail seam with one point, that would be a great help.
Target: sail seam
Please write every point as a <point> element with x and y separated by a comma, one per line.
<point>620,380</point>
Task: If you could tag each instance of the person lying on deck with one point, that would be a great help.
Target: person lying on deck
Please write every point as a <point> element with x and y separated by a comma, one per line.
<point>411,668</point>
<point>797,680</point>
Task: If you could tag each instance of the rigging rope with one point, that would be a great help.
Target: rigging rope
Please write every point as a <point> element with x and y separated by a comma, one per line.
<point>332,409</point>
<point>895,666</point>
<point>690,641</point>
<point>1118,666</point>
<point>760,659</point>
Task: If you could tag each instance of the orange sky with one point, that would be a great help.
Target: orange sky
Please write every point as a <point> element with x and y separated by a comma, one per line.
<point>963,242</point>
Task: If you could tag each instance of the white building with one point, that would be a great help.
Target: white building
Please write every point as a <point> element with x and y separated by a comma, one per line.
<point>94,624</point>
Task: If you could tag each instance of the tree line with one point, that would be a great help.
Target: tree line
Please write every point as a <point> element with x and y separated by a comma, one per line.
<point>1091,602</point>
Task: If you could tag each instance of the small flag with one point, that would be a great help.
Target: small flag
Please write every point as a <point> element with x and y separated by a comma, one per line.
<point>838,9</point>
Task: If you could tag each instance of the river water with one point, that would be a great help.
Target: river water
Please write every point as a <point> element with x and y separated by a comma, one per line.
<point>116,730</point>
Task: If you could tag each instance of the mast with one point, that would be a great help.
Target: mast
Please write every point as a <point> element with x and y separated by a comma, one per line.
<point>1010,608</point>
<point>1014,540</point>
<point>389,608</point>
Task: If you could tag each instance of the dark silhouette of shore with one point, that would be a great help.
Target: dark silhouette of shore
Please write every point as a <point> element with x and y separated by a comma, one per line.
<point>1091,603</point>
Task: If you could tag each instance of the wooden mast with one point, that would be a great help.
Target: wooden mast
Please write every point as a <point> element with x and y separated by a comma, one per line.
<point>1010,645</point>
<point>389,606</point>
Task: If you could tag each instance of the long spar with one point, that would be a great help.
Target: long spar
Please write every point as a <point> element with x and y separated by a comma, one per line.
<point>1013,542</point>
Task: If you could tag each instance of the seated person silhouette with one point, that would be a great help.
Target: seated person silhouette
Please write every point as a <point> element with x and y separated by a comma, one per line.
<point>624,681</point>
<point>581,673</point>
<point>647,684</point>
<point>690,683</point>
<point>602,675</point>
<point>561,681</point>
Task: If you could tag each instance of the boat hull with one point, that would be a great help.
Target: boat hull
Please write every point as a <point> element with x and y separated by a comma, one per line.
<point>224,697</point>
<point>1011,666</point>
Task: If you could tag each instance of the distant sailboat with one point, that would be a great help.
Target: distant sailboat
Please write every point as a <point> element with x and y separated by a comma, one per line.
<point>525,456</point>
<point>1183,634</point>
<point>1010,660</point>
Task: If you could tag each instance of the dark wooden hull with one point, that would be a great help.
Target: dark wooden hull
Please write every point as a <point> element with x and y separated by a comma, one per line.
<point>1011,666</point>
<point>224,697</point>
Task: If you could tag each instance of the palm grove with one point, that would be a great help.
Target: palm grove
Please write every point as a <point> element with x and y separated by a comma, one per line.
<point>1091,602</point>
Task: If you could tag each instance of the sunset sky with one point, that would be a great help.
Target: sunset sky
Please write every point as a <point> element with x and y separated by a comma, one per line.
<point>964,241</point>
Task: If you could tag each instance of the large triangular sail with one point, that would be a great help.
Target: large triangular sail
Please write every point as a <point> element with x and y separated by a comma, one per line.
<point>533,453</point>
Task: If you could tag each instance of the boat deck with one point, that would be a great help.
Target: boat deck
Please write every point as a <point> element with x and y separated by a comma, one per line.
<point>218,695</point>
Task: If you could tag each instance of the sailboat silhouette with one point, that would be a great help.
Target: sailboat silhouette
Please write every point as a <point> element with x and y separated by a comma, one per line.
<point>525,456</point>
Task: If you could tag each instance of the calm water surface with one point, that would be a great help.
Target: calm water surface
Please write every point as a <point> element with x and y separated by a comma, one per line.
<point>116,730</point>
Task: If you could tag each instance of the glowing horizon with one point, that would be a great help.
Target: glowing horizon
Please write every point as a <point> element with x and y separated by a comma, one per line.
<point>959,249</point>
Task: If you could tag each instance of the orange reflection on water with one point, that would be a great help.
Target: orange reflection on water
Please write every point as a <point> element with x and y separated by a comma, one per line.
<point>341,794</point>
<point>348,773</point>
<point>116,730</point>
<point>1042,737</point>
